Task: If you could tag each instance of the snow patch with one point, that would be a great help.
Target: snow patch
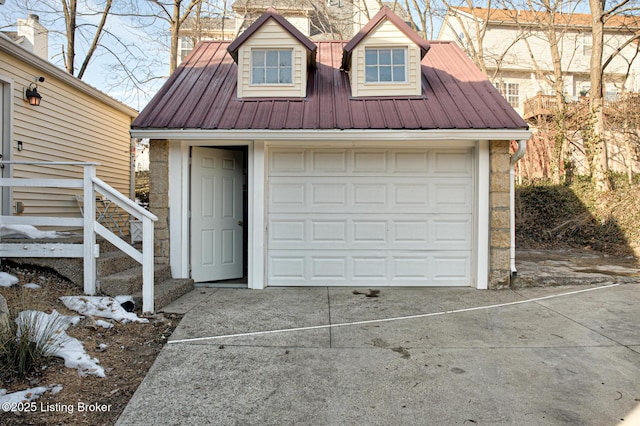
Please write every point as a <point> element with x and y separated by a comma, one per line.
<point>31,285</point>
<point>28,231</point>
<point>98,306</point>
<point>104,324</point>
<point>9,401</point>
<point>61,344</point>
<point>7,280</point>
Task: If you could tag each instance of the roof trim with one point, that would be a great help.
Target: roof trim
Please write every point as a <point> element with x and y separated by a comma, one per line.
<point>384,14</point>
<point>335,135</point>
<point>270,13</point>
<point>524,17</point>
<point>19,52</point>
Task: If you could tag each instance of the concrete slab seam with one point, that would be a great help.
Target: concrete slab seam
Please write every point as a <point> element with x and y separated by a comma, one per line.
<point>408,317</point>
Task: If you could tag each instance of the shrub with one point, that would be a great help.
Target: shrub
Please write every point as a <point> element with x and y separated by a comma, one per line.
<point>27,342</point>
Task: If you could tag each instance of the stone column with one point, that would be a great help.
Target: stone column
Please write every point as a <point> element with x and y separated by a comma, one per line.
<point>159,197</point>
<point>499,203</point>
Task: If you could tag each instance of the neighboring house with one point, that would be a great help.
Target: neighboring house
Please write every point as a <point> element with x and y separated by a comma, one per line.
<point>383,160</point>
<point>204,29</point>
<point>330,20</point>
<point>74,122</point>
<point>512,36</point>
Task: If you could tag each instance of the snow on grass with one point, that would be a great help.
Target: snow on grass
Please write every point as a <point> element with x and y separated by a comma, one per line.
<point>7,280</point>
<point>60,344</point>
<point>98,306</point>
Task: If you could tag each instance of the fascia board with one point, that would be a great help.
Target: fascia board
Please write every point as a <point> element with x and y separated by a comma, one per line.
<point>334,135</point>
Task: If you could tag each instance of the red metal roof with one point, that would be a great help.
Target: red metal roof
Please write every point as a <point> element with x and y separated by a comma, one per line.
<point>201,94</point>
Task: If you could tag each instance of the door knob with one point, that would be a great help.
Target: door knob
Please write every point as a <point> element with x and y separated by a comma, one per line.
<point>240,223</point>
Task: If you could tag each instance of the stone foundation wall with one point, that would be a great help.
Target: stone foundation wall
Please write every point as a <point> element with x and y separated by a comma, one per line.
<point>499,202</point>
<point>159,197</point>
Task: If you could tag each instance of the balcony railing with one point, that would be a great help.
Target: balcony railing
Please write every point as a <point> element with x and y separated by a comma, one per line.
<point>624,105</point>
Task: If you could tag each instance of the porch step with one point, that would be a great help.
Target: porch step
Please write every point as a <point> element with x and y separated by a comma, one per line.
<point>130,281</point>
<point>112,262</point>
<point>116,273</point>
<point>166,292</point>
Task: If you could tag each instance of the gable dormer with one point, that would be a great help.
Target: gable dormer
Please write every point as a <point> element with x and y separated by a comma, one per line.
<point>383,59</point>
<point>273,58</point>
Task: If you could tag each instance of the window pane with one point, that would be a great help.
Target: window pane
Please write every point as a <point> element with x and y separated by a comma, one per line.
<point>385,73</point>
<point>272,76</point>
<point>257,76</point>
<point>398,73</point>
<point>371,57</point>
<point>385,56</point>
<point>285,58</point>
<point>398,56</point>
<point>272,58</point>
<point>258,57</point>
<point>371,74</point>
<point>285,75</point>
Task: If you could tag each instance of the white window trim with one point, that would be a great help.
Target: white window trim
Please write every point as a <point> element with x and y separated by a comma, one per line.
<point>406,65</point>
<point>293,68</point>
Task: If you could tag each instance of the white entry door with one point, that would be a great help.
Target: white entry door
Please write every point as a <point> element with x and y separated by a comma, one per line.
<point>216,214</point>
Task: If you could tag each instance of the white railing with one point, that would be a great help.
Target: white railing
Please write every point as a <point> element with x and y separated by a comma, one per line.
<point>92,187</point>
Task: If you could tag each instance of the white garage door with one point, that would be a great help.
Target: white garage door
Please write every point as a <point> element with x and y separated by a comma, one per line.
<point>370,217</point>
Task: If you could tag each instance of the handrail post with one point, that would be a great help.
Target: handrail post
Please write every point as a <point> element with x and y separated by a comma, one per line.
<point>89,236</point>
<point>147,266</point>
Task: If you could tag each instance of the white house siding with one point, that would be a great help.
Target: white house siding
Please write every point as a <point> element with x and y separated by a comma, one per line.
<point>575,60</point>
<point>69,125</point>
<point>272,35</point>
<point>386,35</point>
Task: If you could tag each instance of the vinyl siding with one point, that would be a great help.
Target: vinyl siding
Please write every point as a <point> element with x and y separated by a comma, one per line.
<point>69,125</point>
<point>272,36</point>
<point>386,35</point>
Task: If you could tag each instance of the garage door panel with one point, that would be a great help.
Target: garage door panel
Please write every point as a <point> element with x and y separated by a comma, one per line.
<point>369,267</point>
<point>369,162</point>
<point>362,194</point>
<point>376,231</point>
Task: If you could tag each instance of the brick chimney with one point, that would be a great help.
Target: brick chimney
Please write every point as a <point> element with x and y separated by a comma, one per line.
<point>36,37</point>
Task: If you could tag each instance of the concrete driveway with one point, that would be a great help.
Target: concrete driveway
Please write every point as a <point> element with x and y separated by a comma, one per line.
<point>427,356</point>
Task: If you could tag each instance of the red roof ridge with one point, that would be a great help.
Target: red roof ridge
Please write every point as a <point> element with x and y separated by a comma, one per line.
<point>270,13</point>
<point>384,13</point>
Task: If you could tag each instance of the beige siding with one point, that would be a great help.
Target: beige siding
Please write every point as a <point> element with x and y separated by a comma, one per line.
<point>271,36</point>
<point>69,125</point>
<point>386,35</point>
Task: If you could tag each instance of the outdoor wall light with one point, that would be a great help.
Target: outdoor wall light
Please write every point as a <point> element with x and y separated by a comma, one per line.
<point>32,95</point>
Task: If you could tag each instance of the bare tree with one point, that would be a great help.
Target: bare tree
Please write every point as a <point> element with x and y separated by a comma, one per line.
<point>175,13</point>
<point>600,14</point>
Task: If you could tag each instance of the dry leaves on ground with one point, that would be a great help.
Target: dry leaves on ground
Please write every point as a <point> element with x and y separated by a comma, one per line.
<point>125,351</point>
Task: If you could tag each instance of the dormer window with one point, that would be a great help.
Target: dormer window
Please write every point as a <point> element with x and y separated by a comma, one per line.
<point>385,65</point>
<point>271,66</point>
<point>273,58</point>
<point>384,58</point>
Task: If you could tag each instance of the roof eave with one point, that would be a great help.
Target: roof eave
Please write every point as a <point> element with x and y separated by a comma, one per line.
<point>335,134</point>
<point>45,66</point>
